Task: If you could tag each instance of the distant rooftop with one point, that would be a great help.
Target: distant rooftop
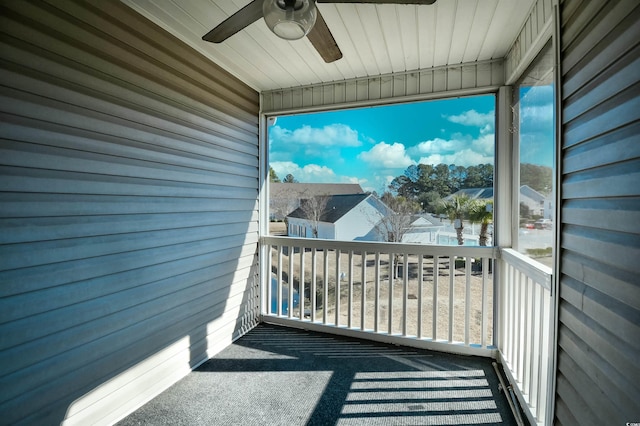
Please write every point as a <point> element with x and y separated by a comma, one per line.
<point>475,193</point>
<point>337,206</point>
<point>308,190</point>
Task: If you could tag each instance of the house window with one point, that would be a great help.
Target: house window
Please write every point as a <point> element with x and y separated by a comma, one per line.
<point>534,138</point>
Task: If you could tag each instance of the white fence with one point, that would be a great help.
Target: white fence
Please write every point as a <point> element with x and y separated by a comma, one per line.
<point>526,332</point>
<point>436,297</point>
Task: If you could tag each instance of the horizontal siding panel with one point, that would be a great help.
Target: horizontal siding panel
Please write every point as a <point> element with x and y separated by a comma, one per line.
<point>98,50</point>
<point>596,374</point>
<point>599,323</point>
<point>612,15</point>
<point>115,322</point>
<point>612,214</point>
<point>85,117</point>
<point>191,66</point>
<point>26,255</point>
<point>19,281</point>
<point>607,116</point>
<point>22,180</point>
<point>610,148</point>
<point>33,205</point>
<point>615,283</point>
<point>143,142</point>
<point>623,250</point>
<point>128,210</point>
<point>51,298</point>
<point>562,412</point>
<point>79,162</point>
<point>615,79</point>
<point>97,360</point>
<point>170,152</point>
<point>580,412</point>
<point>57,228</point>
<point>615,180</point>
<point>602,55</point>
<point>617,323</point>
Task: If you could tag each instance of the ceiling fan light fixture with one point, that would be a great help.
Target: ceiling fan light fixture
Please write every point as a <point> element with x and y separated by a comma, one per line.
<point>289,19</point>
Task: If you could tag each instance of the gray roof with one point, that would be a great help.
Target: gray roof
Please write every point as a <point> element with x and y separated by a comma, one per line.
<point>337,206</point>
<point>475,193</point>
<point>308,190</point>
<point>527,191</point>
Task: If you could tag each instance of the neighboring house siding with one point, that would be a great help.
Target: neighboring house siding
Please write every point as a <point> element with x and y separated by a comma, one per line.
<point>598,375</point>
<point>128,211</point>
<point>359,223</point>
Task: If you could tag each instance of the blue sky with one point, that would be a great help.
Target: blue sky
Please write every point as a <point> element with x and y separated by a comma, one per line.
<point>373,145</point>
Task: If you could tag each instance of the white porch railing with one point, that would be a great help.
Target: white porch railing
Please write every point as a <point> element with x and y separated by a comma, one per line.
<point>436,297</point>
<point>526,332</point>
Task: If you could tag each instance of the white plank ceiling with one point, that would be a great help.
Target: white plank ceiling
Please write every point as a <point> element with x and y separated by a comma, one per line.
<point>374,39</point>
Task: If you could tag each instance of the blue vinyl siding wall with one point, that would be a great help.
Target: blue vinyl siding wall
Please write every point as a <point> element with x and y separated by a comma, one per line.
<point>128,210</point>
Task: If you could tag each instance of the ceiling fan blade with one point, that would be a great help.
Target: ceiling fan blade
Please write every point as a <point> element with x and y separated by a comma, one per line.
<point>236,22</point>
<point>379,1</point>
<point>322,39</point>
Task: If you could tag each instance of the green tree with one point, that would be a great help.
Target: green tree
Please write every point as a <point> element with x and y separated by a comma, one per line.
<point>537,177</point>
<point>429,201</point>
<point>456,209</point>
<point>273,177</point>
<point>481,211</point>
<point>313,209</point>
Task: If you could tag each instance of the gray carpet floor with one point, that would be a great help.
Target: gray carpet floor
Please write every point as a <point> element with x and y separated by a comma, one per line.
<point>282,376</point>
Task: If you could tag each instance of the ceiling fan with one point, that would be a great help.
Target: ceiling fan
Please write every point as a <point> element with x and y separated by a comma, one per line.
<point>292,20</point>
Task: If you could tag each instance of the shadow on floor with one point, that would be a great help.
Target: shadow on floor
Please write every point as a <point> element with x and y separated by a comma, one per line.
<point>280,376</point>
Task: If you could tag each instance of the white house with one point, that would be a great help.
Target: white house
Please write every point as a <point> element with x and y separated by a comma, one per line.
<point>286,197</point>
<point>423,230</point>
<point>537,203</point>
<point>345,217</point>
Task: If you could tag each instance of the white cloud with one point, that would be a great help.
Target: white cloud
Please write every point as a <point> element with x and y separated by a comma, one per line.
<point>330,135</point>
<point>308,173</point>
<point>385,156</point>
<point>465,158</point>
<point>473,118</point>
<point>537,115</point>
<point>461,150</point>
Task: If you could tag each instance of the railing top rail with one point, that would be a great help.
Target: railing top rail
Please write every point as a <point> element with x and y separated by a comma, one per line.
<point>538,272</point>
<point>382,247</point>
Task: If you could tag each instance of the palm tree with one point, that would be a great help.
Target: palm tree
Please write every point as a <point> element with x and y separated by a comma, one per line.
<point>481,211</point>
<point>456,209</point>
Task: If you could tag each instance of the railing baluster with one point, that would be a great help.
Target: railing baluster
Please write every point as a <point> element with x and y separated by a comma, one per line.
<point>452,277</point>
<point>279,283</point>
<point>392,272</point>
<point>420,294</point>
<point>376,313</point>
<point>363,291</point>
<point>405,292</point>
<point>290,281</point>
<point>436,275</point>
<point>325,287</point>
<point>467,299</point>
<point>338,272</point>
<point>314,282</point>
<point>301,284</point>
<point>350,297</point>
<point>536,349</point>
<point>526,348</point>
<point>269,268</point>
<point>485,308</point>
